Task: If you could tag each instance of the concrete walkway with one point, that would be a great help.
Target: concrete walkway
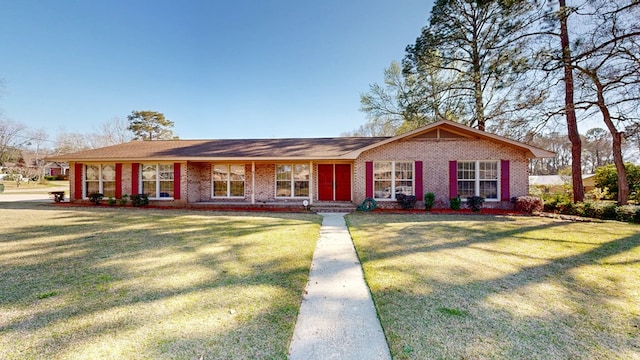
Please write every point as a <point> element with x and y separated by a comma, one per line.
<point>337,318</point>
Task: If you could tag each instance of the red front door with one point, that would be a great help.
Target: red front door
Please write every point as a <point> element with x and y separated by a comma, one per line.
<point>343,182</point>
<point>325,182</point>
<point>334,182</point>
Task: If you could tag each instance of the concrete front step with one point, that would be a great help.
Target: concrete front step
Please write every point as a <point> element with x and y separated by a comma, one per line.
<point>329,207</point>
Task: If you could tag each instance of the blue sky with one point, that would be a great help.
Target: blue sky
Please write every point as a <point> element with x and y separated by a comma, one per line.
<point>218,69</point>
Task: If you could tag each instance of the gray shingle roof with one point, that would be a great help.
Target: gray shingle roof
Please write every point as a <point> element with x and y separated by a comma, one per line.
<point>304,148</point>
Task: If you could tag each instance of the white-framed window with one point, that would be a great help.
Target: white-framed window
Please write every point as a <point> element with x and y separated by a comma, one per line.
<point>391,178</point>
<point>292,180</point>
<point>228,180</point>
<point>100,178</point>
<point>157,180</point>
<point>478,178</point>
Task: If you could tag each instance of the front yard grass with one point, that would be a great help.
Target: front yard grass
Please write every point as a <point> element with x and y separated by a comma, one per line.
<point>470,287</point>
<point>116,283</point>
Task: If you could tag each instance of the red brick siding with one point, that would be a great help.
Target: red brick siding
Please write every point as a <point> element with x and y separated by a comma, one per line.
<point>435,155</point>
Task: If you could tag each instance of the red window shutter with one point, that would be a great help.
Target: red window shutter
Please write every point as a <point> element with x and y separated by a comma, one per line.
<point>453,179</point>
<point>77,175</point>
<point>118,180</point>
<point>135,174</point>
<point>504,180</point>
<point>176,181</point>
<point>418,179</point>
<point>369,179</point>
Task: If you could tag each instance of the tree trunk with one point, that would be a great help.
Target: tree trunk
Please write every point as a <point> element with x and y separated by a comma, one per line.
<point>477,84</point>
<point>572,123</point>
<point>623,185</point>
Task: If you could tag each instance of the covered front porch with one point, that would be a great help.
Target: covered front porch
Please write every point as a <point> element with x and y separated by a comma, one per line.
<point>269,184</point>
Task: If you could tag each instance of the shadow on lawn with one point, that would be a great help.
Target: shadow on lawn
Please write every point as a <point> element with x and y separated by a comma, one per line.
<point>99,267</point>
<point>464,300</point>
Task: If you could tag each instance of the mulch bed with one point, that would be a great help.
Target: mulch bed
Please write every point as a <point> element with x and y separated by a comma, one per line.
<point>484,211</point>
<point>296,209</point>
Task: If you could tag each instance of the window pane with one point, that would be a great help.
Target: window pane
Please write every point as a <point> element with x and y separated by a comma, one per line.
<point>92,187</point>
<point>301,188</point>
<point>92,173</point>
<point>283,188</point>
<point>404,170</point>
<point>219,188</point>
<point>283,172</point>
<point>165,172</point>
<point>382,189</point>
<point>489,189</point>
<point>301,172</point>
<point>166,189</point>
<point>148,172</point>
<point>108,173</point>
<point>220,173</point>
<point>466,188</point>
<point>382,170</point>
<point>236,173</point>
<point>109,189</point>
<point>237,188</point>
<point>489,170</point>
<point>149,188</point>
<point>404,187</point>
<point>466,170</point>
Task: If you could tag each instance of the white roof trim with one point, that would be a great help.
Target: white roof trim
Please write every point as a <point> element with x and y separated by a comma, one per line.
<point>533,152</point>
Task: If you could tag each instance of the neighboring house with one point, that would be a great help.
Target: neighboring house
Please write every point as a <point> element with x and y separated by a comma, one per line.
<point>56,168</point>
<point>556,183</point>
<point>445,158</point>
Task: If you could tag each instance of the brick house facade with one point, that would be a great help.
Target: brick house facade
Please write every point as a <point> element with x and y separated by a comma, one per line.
<point>444,158</point>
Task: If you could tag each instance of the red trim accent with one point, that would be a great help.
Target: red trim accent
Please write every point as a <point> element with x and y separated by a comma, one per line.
<point>118,180</point>
<point>176,181</point>
<point>453,179</point>
<point>504,180</point>
<point>77,178</point>
<point>369,179</point>
<point>419,186</point>
<point>135,178</point>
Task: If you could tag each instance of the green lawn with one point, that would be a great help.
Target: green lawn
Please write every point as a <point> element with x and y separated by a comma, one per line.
<point>117,283</point>
<point>470,287</point>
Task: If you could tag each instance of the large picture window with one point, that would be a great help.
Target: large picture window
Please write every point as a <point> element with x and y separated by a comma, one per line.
<point>157,180</point>
<point>391,178</point>
<point>100,178</point>
<point>478,178</point>
<point>228,180</point>
<point>292,180</point>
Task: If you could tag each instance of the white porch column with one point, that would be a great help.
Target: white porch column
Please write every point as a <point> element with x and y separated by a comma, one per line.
<point>310,182</point>
<point>253,182</point>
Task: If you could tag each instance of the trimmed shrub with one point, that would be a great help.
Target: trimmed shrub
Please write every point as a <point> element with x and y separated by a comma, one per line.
<point>626,213</point>
<point>567,207</point>
<point>429,200</point>
<point>591,210</point>
<point>96,198</point>
<point>406,201</point>
<point>529,204</point>
<point>140,200</point>
<point>610,212</point>
<point>455,203</point>
<point>475,203</point>
<point>123,201</point>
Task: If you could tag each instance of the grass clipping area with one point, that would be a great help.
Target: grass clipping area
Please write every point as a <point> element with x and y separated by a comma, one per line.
<point>98,283</point>
<point>469,287</point>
